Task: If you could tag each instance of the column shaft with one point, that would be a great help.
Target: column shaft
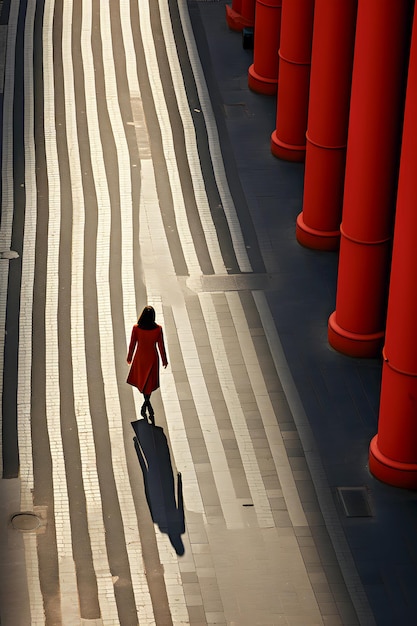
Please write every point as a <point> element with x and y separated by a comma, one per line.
<point>288,141</point>
<point>380,62</point>
<point>263,73</point>
<point>318,225</point>
<point>393,451</point>
<point>241,14</point>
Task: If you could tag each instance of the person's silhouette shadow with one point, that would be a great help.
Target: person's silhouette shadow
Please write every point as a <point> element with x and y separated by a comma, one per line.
<point>155,461</point>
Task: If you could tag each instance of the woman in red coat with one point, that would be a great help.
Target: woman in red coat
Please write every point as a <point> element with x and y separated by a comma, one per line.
<point>143,355</point>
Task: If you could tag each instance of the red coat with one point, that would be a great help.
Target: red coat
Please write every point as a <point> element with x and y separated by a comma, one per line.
<point>144,370</point>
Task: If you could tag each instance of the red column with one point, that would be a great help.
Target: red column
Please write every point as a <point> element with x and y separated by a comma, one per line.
<point>318,225</point>
<point>263,73</point>
<point>393,451</point>
<point>241,14</point>
<point>288,141</point>
<point>357,326</point>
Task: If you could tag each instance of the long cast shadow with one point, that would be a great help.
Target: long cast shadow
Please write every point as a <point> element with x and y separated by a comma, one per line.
<point>155,461</point>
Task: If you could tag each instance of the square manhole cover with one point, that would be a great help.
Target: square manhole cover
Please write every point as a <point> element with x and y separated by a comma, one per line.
<point>355,501</point>
<point>236,110</point>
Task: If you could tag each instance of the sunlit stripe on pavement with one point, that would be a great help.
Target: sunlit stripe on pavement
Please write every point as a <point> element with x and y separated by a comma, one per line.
<point>214,144</point>
<point>237,418</point>
<point>155,257</point>
<point>173,581</point>
<point>28,265</point>
<point>160,279</point>
<point>81,400</point>
<point>231,508</point>
<point>69,593</point>
<point>25,325</point>
<point>131,533</point>
<point>192,497</point>
<point>128,210</point>
<point>167,140</point>
<point>191,142</point>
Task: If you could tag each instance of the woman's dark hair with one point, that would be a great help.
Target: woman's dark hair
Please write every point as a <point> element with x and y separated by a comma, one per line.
<point>146,320</point>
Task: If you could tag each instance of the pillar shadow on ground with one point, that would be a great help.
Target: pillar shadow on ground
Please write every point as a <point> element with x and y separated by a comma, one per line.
<point>155,461</point>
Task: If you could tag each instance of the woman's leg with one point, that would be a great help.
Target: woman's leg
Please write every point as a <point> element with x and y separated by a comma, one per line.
<point>147,405</point>
<point>144,405</point>
<point>150,409</point>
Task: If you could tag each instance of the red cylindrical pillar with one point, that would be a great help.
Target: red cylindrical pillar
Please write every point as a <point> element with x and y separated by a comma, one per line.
<point>318,225</point>
<point>241,14</point>
<point>288,141</point>
<point>393,451</point>
<point>263,73</point>
<point>357,326</point>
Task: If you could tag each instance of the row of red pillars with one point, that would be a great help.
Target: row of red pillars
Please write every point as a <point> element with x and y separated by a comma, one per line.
<point>341,71</point>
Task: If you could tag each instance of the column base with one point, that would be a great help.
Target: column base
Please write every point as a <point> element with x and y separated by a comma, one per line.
<point>352,344</point>
<point>316,239</point>
<point>236,21</point>
<point>392,472</point>
<point>261,84</point>
<point>286,151</point>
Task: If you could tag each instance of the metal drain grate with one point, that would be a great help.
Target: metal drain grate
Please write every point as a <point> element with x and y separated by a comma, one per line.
<point>355,501</point>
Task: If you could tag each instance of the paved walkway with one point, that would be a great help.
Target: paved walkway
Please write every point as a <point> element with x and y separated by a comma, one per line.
<point>230,511</point>
<point>339,395</point>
